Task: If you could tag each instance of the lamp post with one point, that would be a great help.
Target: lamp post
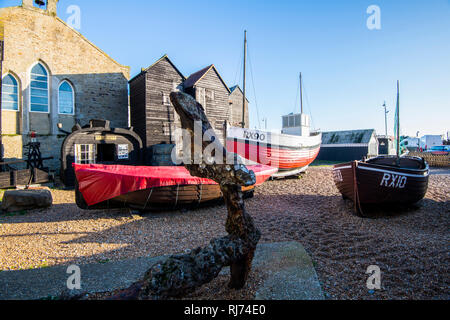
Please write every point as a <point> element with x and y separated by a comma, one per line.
<point>386,111</point>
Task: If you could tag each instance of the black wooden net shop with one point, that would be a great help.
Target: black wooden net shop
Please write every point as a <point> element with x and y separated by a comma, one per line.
<point>98,143</point>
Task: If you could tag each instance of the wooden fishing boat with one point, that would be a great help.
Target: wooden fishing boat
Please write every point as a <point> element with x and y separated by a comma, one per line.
<point>384,179</point>
<point>148,188</point>
<point>291,151</point>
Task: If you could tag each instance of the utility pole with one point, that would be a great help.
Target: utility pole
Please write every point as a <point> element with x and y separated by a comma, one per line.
<point>385,117</point>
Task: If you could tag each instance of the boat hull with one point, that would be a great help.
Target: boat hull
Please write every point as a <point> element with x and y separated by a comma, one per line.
<point>380,182</point>
<point>172,197</point>
<point>285,152</point>
<point>148,188</point>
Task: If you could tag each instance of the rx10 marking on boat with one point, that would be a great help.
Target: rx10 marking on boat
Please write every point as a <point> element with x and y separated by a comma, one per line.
<point>393,181</point>
<point>254,136</point>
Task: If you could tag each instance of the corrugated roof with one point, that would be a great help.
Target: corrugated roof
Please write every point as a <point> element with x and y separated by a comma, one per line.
<point>350,136</point>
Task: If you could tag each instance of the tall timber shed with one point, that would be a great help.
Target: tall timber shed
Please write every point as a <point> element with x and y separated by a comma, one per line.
<point>348,145</point>
<point>152,115</point>
<point>98,143</point>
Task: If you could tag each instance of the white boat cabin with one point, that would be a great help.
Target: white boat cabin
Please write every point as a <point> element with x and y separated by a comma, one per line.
<point>297,124</point>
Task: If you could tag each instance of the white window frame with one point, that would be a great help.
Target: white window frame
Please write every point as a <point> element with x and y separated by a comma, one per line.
<point>73,99</point>
<point>18,92</point>
<point>48,90</point>
<point>92,151</point>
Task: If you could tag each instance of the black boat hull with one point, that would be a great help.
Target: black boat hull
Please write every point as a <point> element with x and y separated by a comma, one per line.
<point>380,181</point>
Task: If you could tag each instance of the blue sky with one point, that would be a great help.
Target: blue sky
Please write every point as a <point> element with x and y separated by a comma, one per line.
<point>349,70</point>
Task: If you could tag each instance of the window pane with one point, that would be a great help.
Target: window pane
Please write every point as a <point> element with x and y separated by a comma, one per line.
<point>9,89</point>
<point>39,93</point>
<point>39,100</point>
<point>10,96</point>
<point>39,108</point>
<point>291,121</point>
<point>38,77</point>
<point>39,84</point>
<point>10,105</point>
<point>39,89</point>
<point>39,70</point>
<point>65,87</point>
<point>65,99</point>
<point>9,80</point>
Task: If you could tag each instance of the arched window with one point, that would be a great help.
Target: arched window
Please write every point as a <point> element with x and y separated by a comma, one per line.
<point>66,99</point>
<point>39,89</point>
<point>10,93</point>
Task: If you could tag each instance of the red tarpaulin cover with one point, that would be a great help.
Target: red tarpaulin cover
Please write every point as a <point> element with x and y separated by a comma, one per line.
<point>99,183</point>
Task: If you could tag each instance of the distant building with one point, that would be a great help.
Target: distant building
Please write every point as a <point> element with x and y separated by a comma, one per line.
<point>154,118</point>
<point>52,74</point>
<point>348,145</point>
<point>429,141</point>
<point>386,145</point>
<point>412,144</point>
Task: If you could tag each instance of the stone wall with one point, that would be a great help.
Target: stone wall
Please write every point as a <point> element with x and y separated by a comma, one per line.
<point>36,36</point>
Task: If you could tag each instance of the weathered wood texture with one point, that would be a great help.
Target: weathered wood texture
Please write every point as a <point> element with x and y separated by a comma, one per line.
<point>182,274</point>
<point>235,101</point>
<point>213,95</point>
<point>152,114</point>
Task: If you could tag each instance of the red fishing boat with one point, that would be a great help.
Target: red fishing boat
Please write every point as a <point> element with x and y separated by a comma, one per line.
<point>147,188</point>
<point>291,151</point>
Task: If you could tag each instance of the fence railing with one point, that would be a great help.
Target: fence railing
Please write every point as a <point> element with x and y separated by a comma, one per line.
<point>434,160</point>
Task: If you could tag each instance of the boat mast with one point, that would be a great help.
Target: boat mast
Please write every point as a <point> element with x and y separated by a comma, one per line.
<point>398,119</point>
<point>301,93</point>
<point>245,74</point>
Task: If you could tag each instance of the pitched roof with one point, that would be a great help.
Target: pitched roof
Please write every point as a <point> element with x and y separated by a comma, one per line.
<point>155,63</point>
<point>350,136</point>
<point>232,89</point>
<point>197,76</point>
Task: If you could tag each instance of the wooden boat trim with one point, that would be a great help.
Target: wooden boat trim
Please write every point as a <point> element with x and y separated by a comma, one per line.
<point>426,174</point>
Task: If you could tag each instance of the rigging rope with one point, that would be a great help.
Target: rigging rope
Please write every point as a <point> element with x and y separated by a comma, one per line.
<point>254,90</point>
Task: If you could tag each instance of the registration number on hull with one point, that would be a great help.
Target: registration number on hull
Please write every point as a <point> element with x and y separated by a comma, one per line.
<point>249,135</point>
<point>393,181</point>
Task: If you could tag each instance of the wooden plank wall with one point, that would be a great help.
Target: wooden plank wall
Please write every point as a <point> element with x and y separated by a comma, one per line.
<point>162,79</point>
<point>211,91</point>
<point>235,101</point>
<point>137,106</point>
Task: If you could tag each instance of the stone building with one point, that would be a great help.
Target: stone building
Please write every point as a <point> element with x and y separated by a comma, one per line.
<point>52,74</point>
